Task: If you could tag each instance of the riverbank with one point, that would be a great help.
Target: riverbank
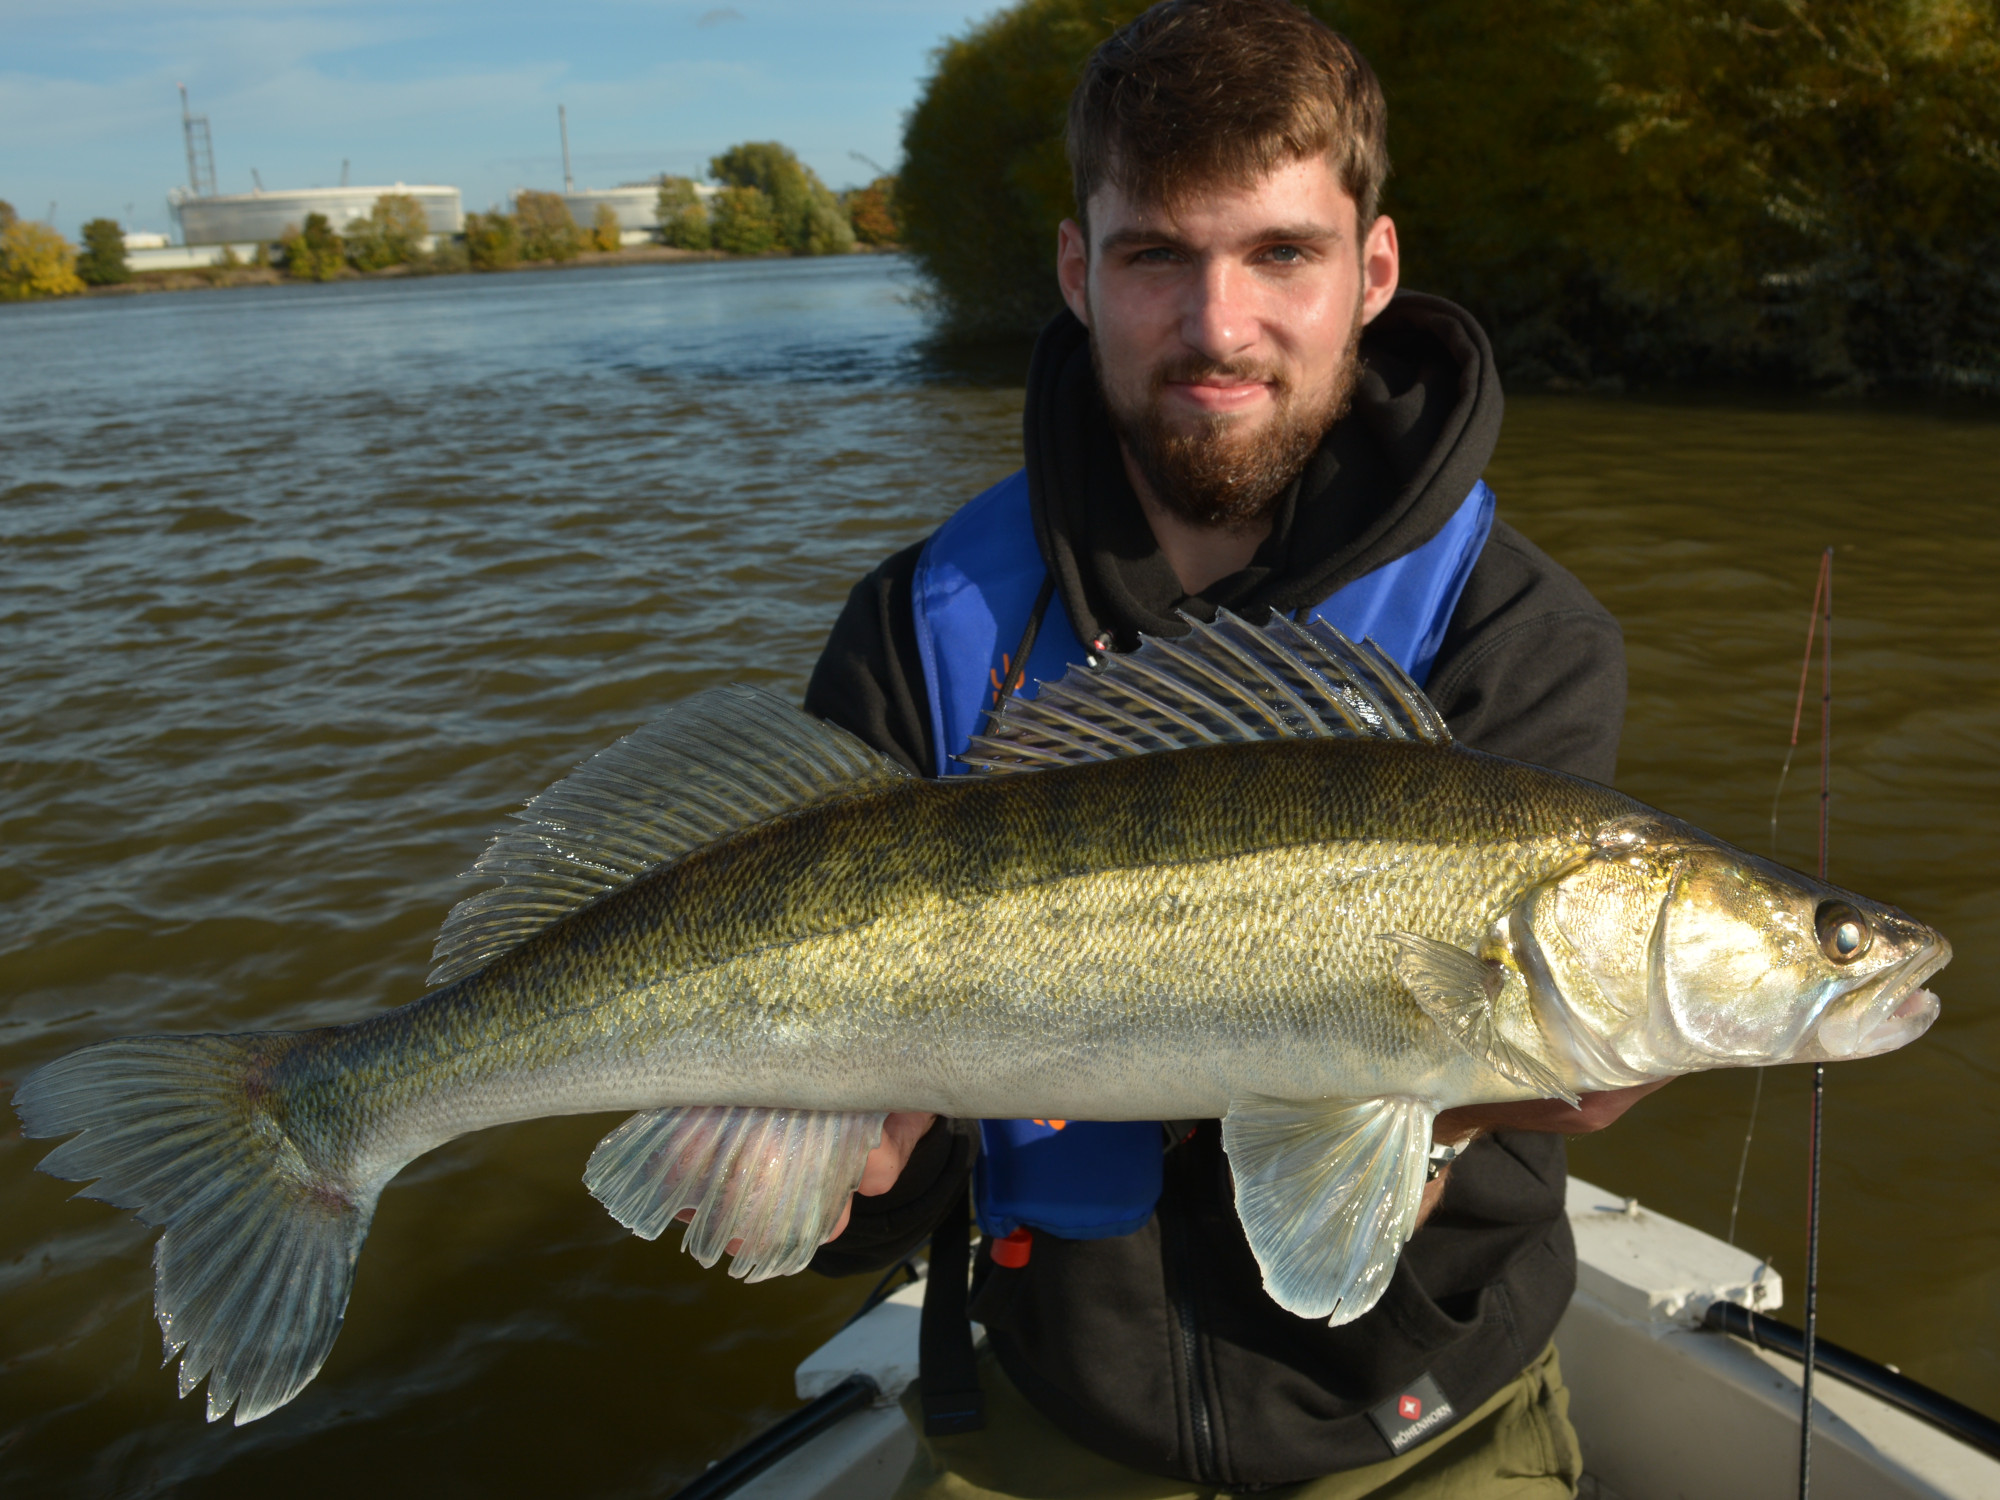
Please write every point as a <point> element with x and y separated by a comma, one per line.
<point>209,277</point>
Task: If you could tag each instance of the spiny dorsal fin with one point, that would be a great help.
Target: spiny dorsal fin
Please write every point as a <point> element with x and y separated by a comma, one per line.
<point>1219,684</point>
<point>709,766</point>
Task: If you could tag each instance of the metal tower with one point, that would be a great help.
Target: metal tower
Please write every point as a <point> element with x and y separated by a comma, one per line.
<point>201,154</point>
<point>562,122</point>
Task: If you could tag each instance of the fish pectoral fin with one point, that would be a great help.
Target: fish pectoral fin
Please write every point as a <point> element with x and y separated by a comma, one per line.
<point>1456,989</point>
<point>776,1179</point>
<point>1328,1191</point>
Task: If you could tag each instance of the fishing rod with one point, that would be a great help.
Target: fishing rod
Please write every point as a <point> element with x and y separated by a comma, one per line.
<point>1821,619</point>
<point>1820,615</point>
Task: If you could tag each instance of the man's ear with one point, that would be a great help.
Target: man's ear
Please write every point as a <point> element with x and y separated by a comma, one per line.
<point>1073,268</point>
<point>1381,267</point>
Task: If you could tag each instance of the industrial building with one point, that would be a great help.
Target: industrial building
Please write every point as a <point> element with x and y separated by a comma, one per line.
<point>637,205</point>
<point>207,217</point>
<point>227,218</point>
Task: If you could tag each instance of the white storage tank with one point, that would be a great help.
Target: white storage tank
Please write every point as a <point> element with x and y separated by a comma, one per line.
<point>637,204</point>
<point>265,217</point>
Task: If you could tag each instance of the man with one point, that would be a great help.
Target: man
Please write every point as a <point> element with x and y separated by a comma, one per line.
<point>1237,411</point>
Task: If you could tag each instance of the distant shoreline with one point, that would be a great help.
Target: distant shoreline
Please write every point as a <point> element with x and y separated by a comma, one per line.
<point>146,282</point>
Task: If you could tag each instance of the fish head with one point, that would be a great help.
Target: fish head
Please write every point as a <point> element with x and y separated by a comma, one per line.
<point>1665,951</point>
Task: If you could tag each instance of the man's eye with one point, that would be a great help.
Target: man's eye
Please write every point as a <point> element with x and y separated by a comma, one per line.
<point>1153,255</point>
<point>1285,254</point>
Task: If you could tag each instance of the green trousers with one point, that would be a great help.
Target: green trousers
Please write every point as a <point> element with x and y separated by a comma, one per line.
<point>1517,1446</point>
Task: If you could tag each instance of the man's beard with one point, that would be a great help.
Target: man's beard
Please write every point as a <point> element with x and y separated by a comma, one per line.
<point>1209,474</point>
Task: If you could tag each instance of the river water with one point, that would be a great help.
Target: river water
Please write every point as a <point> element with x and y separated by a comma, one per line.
<point>303,588</point>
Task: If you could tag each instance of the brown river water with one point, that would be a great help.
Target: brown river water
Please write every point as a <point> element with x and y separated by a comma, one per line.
<point>303,589</point>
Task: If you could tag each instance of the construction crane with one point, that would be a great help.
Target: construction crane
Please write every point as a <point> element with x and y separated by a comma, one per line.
<point>201,152</point>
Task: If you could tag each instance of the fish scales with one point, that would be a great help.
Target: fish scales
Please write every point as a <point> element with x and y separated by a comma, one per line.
<point>1250,877</point>
<point>963,946</point>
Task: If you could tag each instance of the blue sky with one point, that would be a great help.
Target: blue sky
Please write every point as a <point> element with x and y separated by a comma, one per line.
<point>462,92</point>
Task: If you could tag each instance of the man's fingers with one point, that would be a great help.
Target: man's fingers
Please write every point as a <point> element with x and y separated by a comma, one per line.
<point>1553,1115</point>
<point>900,1134</point>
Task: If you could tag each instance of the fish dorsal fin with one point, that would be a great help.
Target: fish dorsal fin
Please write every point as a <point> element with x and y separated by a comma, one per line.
<point>1219,684</point>
<point>710,765</point>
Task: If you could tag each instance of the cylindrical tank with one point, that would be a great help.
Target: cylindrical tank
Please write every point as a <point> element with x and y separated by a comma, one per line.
<point>637,204</point>
<point>242,217</point>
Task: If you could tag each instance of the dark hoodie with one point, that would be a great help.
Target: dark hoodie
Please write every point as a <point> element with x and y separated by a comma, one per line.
<point>1160,1349</point>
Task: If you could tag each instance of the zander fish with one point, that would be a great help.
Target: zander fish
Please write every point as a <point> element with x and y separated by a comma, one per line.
<point>1247,875</point>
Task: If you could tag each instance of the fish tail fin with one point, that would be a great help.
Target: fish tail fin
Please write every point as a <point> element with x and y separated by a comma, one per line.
<point>252,1274</point>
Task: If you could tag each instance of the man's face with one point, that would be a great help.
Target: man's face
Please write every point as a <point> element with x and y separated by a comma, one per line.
<point>1224,329</point>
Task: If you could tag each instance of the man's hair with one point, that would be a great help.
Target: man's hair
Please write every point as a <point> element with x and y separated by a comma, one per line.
<point>1198,93</point>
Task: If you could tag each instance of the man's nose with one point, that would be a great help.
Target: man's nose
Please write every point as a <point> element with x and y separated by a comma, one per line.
<point>1219,318</point>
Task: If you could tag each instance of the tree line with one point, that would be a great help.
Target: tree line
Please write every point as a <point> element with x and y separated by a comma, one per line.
<point>766,202</point>
<point>1794,191</point>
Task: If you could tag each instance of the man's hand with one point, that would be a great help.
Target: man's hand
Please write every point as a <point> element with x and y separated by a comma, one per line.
<point>1455,1126</point>
<point>900,1134</point>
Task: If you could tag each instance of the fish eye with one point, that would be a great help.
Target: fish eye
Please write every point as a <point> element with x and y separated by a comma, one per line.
<point>1844,934</point>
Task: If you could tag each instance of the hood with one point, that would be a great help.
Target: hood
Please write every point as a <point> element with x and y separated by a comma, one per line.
<point>1424,419</point>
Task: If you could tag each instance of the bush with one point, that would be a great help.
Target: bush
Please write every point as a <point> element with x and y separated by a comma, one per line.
<point>684,221</point>
<point>35,261</point>
<point>314,253</point>
<point>1796,190</point>
<point>448,257</point>
<point>547,230</point>
<point>872,212</point>
<point>808,217</point>
<point>492,242</point>
<point>605,233</point>
<point>390,234</point>
<point>745,222</point>
<point>102,262</point>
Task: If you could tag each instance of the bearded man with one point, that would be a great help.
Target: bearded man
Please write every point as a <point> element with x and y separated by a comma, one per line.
<point>1238,410</point>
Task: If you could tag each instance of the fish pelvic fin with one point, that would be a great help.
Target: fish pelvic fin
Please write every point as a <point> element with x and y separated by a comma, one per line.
<point>1328,1191</point>
<point>1221,683</point>
<point>1458,991</point>
<point>252,1273</point>
<point>709,766</point>
<point>776,1179</point>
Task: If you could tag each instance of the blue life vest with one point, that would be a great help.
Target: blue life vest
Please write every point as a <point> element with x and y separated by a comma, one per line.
<point>976,584</point>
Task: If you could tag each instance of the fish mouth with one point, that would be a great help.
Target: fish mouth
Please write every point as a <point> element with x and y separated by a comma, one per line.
<point>1896,1013</point>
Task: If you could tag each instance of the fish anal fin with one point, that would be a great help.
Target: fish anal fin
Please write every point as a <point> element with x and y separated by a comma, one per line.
<point>1461,993</point>
<point>1328,1192</point>
<point>776,1179</point>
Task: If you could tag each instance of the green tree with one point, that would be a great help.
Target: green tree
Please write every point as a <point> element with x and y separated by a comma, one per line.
<point>7,216</point>
<point>1800,190</point>
<point>547,229</point>
<point>872,212</point>
<point>492,242</point>
<point>745,223</point>
<point>35,261</point>
<point>684,221</point>
<point>809,218</point>
<point>314,253</point>
<point>102,262</point>
<point>984,180</point>
<point>605,233</point>
<point>391,233</point>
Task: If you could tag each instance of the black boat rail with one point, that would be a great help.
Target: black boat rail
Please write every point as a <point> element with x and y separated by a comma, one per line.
<point>1892,1386</point>
<point>726,1475</point>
